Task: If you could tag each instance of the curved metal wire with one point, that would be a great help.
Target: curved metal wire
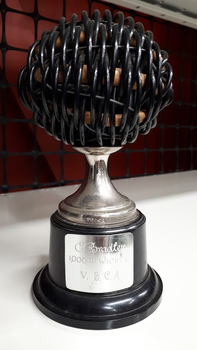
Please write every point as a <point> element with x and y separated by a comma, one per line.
<point>54,87</point>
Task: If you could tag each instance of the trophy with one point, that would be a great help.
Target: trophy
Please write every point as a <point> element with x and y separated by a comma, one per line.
<point>96,83</point>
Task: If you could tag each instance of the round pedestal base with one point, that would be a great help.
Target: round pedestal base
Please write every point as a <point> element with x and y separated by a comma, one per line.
<point>99,310</point>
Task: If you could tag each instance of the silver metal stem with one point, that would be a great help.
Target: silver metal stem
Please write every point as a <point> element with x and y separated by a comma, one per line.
<point>97,203</point>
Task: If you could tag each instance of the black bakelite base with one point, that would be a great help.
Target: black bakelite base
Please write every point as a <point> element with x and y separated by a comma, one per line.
<point>97,311</point>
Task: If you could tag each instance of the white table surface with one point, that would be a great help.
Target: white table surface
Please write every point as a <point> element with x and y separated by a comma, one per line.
<point>170,205</point>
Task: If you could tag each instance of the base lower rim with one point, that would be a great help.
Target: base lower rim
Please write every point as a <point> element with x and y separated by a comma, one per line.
<point>88,311</point>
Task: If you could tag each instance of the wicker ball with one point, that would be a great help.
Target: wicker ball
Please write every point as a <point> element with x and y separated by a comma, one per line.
<point>96,82</point>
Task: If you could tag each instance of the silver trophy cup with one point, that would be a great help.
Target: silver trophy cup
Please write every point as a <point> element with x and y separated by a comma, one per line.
<point>96,84</point>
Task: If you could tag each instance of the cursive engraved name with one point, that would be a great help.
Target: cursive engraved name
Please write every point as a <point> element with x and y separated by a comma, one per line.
<point>81,247</point>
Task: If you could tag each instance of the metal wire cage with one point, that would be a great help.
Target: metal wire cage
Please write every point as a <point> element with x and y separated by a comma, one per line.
<point>96,82</point>
<point>31,159</point>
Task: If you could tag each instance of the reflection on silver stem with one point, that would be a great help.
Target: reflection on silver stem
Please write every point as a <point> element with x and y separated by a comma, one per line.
<point>97,203</point>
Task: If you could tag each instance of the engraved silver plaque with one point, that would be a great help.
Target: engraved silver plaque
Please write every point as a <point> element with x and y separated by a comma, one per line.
<point>99,263</point>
